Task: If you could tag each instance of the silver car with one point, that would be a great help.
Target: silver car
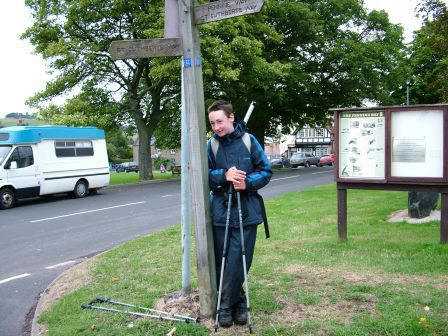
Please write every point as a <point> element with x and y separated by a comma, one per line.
<point>303,159</point>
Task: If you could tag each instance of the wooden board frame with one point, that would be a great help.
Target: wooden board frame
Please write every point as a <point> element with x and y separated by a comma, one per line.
<point>389,179</point>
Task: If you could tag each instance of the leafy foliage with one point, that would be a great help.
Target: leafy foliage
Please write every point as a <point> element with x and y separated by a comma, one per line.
<point>297,59</point>
<point>167,162</point>
<point>74,37</point>
<point>118,146</point>
<point>429,57</point>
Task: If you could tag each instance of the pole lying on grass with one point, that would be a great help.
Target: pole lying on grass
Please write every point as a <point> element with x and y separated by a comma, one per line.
<point>163,316</point>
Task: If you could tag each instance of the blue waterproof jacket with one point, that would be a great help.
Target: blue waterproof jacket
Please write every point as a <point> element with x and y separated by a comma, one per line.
<point>233,152</point>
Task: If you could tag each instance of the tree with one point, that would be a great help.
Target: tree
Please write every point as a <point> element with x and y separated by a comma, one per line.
<point>429,54</point>
<point>118,146</point>
<point>74,36</point>
<point>429,66</point>
<point>297,59</point>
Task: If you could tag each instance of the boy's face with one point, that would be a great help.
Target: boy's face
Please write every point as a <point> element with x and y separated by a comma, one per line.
<point>221,124</point>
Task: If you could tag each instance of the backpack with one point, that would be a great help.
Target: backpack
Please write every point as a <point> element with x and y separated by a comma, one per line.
<point>215,143</point>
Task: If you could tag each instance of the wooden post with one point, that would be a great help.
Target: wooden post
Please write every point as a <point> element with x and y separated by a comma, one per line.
<point>198,173</point>
<point>444,218</point>
<point>342,214</point>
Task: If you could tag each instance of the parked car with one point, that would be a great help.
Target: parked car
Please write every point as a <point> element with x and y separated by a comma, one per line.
<point>113,167</point>
<point>326,160</point>
<point>127,167</point>
<point>280,163</point>
<point>303,159</point>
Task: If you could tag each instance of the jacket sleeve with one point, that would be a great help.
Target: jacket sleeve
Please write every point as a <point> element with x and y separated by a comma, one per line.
<point>216,177</point>
<point>263,172</point>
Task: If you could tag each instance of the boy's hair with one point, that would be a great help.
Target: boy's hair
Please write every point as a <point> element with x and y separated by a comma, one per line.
<point>223,106</point>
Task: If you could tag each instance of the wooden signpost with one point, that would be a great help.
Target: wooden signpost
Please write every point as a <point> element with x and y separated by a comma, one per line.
<point>188,46</point>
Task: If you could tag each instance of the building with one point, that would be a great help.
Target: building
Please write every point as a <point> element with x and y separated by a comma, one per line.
<point>274,148</point>
<point>317,141</point>
<point>173,154</point>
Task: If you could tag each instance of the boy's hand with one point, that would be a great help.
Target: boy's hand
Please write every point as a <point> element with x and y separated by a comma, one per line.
<point>239,185</point>
<point>235,176</point>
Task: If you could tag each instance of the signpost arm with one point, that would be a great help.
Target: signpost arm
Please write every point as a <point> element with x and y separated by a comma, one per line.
<point>198,173</point>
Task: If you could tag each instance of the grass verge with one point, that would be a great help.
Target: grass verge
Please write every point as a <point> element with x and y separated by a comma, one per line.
<point>388,279</point>
<point>125,178</point>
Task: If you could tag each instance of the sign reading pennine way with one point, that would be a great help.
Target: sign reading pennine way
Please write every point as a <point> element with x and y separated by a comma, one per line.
<point>220,10</point>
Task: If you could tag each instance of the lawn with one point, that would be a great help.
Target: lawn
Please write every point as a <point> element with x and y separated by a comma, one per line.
<point>387,279</point>
<point>125,178</point>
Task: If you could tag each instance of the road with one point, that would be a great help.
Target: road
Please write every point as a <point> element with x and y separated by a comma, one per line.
<point>43,237</point>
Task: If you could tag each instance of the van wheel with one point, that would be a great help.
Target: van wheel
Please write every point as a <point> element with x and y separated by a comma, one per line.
<point>81,189</point>
<point>7,198</point>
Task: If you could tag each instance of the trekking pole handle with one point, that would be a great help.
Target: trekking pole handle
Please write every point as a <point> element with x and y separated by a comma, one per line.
<point>249,111</point>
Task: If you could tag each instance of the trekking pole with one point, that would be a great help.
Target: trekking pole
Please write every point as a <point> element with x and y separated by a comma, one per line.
<point>223,260</point>
<point>186,318</point>
<point>158,317</point>
<point>243,249</point>
<point>243,253</point>
<point>249,112</point>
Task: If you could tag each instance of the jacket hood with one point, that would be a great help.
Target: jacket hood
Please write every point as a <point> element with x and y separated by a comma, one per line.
<point>239,129</point>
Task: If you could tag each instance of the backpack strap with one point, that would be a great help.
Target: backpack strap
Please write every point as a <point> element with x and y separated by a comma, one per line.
<point>247,141</point>
<point>215,143</point>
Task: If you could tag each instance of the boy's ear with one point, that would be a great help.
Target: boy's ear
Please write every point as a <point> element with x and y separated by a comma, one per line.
<point>232,117</point>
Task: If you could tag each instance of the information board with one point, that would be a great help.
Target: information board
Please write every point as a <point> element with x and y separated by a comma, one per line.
<point>362,145</point>
<point>417,143</point>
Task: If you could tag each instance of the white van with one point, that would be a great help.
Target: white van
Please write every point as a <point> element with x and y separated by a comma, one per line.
<point>44,160</point>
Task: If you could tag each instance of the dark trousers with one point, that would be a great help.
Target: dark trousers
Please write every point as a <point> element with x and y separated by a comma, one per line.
<point>233,278</point>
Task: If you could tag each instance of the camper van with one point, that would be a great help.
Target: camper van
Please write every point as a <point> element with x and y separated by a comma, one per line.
<point>45,160</point>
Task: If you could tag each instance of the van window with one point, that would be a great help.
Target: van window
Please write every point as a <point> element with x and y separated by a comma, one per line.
<point>73,148</point>
<point>23,155</point>
<point>4,150</point>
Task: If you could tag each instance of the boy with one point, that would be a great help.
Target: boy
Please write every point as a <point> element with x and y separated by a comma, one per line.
<point>239,160</point>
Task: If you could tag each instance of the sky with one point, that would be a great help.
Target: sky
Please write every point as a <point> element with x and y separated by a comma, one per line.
<point>24,74</point>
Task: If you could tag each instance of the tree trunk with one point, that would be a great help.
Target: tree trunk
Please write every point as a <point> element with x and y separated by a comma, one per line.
<point>144,152</point>
<point>144,136</point>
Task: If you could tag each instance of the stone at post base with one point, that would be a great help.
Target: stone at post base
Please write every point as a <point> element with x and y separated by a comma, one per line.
<point>420,204</point>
